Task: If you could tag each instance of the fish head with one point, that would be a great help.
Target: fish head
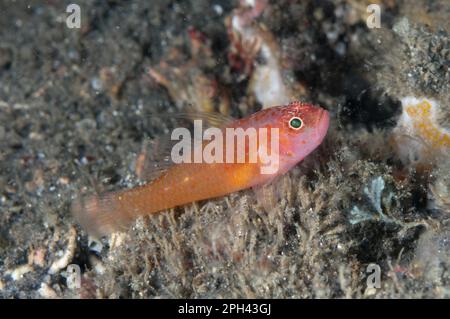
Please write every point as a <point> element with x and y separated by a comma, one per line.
<point>302,128</point>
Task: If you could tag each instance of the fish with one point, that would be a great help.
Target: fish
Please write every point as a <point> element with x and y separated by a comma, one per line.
<point>301,128</point>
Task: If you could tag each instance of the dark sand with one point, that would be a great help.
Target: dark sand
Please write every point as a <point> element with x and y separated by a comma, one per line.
<point>72,121</point>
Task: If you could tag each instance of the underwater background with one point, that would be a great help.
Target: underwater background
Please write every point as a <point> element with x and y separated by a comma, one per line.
<point>74,105</point>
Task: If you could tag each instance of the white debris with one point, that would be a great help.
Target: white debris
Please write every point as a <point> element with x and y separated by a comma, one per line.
<point>68,254</point>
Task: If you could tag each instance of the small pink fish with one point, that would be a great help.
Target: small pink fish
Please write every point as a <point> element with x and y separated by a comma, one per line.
<point>301,128</point>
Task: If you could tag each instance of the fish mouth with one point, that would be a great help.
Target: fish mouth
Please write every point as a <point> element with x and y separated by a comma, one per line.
<point>323,122</point>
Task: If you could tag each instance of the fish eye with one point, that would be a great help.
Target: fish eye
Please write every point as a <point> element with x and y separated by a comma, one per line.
<point>296,123</point>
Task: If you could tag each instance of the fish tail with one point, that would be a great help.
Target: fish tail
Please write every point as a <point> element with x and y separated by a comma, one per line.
<point>101,215</point>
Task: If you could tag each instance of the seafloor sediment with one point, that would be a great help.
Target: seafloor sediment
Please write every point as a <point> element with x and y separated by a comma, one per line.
<point>74,107</point>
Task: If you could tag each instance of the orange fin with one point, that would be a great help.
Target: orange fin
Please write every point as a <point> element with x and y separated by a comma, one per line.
<point>100,215</point>
<point>269,195</point>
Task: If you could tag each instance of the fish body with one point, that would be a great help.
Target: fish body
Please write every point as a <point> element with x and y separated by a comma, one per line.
<point>189,182</point>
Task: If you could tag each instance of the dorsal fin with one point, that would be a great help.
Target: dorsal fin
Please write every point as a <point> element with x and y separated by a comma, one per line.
<point>155,158</point>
